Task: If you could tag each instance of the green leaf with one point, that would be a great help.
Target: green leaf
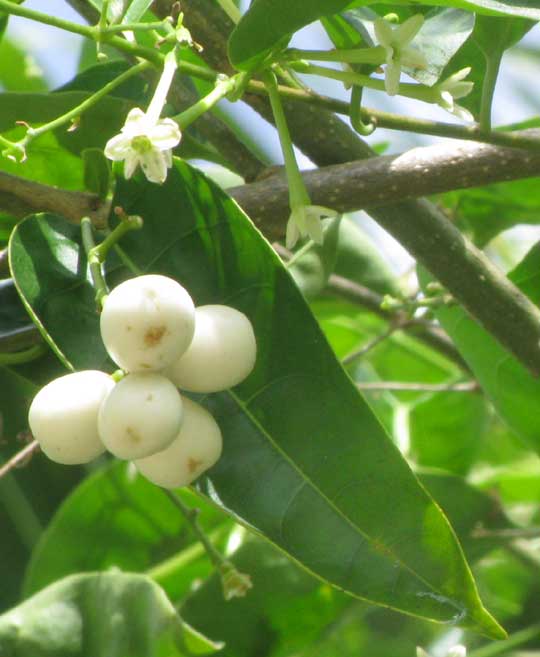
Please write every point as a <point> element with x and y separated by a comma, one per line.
<point>19,70</point>
<point>447,429</point>
<point>303,452</point>
<point>136,11</point>
<point>484,212</point>
<point>110,614</point>
<point>491,36</point>
<point>95,127</point>
<point>515,393</point>
<point>14,320</point>
<point>97,172</point>
<point>269,24</point>
<point>117,518</point>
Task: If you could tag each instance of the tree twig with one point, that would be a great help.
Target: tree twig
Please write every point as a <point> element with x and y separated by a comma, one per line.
<point>19,458</point>
<point>365,349</point>
<point>385,180</point>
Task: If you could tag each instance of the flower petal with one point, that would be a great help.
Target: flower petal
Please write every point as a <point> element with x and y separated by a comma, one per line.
<point>463,113</point>
<point>314,225</point>
<point>461,89</point>
<point>154,166</point>
<point>131,163</point>
<point>413,58</point>
<point>457,651</point>
<point>406,32</point>
<point>118,147</point>
<point>383,32</point>
<point>165,134</point>
<point>292,233</point>
<point>391,78</point>
<point>136,123</point>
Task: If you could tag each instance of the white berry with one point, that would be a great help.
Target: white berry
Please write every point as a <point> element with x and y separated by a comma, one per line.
<point>147,323</point>
<point>141,415</point>
<point>221,354</point>
<point>63,416</point>
<point>196,448</point>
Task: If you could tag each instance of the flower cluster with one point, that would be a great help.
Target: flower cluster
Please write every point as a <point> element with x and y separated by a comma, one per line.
<point>152,330</point>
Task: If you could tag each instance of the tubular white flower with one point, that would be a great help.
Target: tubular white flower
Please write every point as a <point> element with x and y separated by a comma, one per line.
<point>145,140</point>
<point>305,220</point>
<point>453,88</point>
<point>398,53</point>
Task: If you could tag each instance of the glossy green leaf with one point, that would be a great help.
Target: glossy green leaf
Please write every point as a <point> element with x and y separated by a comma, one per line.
<point>484,212</point>
<point>136,10</point>
<point>447,429</point>
<point>97,172</point>
<point>117,518</point>
<point>94,128</point>
<point>269,24</point>
<point>266,621</point>
<point>110,614</point>
<point>491,36</point>
<point>303,452</point>
<point>19,71</point>
<point>515,393</point>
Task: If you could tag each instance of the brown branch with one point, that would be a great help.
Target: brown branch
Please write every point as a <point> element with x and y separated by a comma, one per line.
<point>19,197</point>
<point>19,458</point>
<point>366,184</point>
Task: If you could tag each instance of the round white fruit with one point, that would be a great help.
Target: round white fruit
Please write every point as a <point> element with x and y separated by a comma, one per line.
<point>147,323</point>
<point>221,354</point>
<point>141,415</point>
<point>63,416</point>
<point>195,449</point>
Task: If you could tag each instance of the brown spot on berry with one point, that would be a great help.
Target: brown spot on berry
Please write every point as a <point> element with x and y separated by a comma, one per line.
<point>149,397</point>
<point>153,335</point>
<point>193,465</point>
<point>133,435</point>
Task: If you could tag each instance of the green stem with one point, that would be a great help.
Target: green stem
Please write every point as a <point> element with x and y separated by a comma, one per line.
<point>190,515</point>
<point>301,252</point>
<point>20,511</point>
<point>416,91</point>
<point>134,27</point>
<point>127,261</point>
<point>375,55</point>
<point>133,222</point>
<point>488,90</point>
<point>25,356</point>
<point>298,194</point>
<point>222,89</point>
<point>406,123</point>
<point>94,263</point>
<point>504,647</point>
<point>32,133</point>
<point>231,10</point>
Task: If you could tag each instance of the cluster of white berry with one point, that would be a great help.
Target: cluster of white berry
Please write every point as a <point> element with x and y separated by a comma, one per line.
<point>152,330</point>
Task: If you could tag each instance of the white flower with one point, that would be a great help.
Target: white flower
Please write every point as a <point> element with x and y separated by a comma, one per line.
<point>456,651</point>
<point>398,53</point>
<point>145,139</point>
<point>453,88</point>
<point>306,220</point>
<point>145,142</point>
